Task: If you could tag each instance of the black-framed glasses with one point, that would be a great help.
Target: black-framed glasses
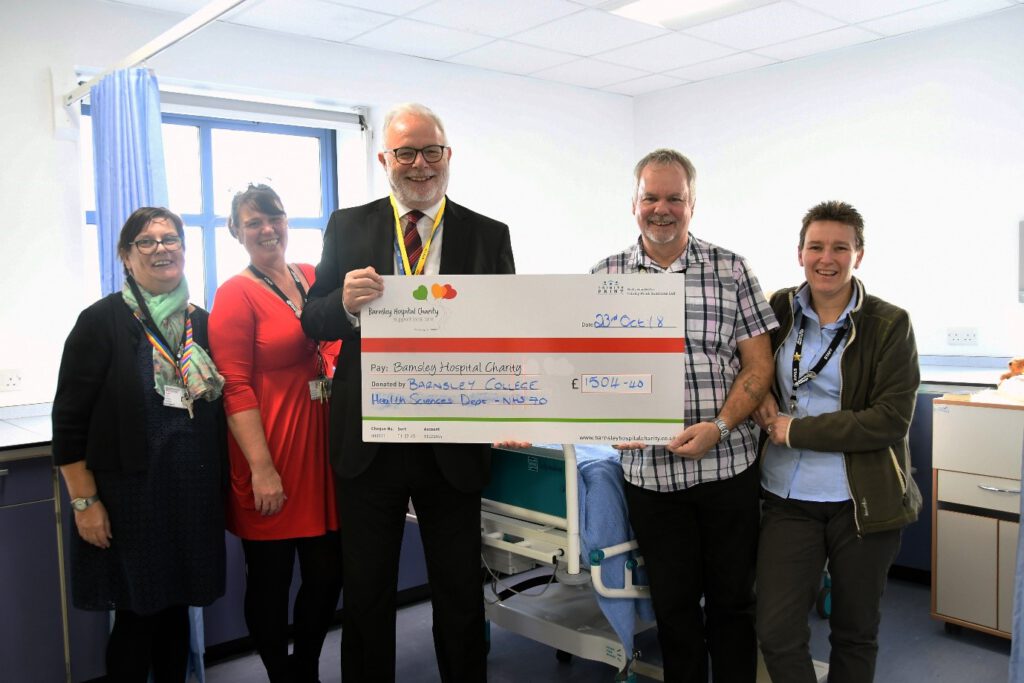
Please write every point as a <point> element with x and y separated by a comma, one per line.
<point>147,245</point>
<point>407,155</point>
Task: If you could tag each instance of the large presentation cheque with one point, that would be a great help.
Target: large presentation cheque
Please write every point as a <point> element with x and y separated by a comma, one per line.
<point>543,358</point>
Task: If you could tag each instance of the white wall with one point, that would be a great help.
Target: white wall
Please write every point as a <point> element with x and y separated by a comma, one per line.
<point>550,160</point>
<point>924,134</point>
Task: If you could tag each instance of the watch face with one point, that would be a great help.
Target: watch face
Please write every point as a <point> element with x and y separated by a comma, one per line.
<point>79,505</point>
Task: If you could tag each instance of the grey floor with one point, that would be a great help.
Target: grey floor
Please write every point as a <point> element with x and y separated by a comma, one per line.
<point>913,648</point>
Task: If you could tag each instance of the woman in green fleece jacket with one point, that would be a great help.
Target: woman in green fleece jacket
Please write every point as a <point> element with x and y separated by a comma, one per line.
<point>835,463</point>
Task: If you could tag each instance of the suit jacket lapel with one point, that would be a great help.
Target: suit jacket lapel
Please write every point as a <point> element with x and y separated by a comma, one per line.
<point>455,245</point>
<point>381,232</point>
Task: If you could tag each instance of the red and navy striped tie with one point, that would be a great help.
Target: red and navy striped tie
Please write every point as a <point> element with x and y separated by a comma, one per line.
<point>413,243</point>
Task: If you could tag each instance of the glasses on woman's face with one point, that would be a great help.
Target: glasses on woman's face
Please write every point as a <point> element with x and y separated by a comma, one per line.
<point>407,155</point>
<point>148,245</point>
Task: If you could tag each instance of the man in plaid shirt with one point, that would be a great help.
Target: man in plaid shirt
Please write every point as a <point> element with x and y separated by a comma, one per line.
<point>694,502</point>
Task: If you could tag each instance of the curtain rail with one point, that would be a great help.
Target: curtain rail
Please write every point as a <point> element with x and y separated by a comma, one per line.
<point>179,31</point>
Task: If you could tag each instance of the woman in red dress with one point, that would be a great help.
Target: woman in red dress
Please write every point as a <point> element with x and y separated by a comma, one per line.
<point>282,490</point>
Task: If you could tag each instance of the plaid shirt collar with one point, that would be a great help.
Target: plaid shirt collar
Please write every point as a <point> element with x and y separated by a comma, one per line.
<point>696,251</point>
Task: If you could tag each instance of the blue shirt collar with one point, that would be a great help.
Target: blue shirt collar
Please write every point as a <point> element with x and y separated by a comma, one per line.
<point>802,306</point>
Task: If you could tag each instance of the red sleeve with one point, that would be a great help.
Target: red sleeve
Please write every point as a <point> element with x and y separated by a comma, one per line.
<point>233,344</point>
<point>330,349</point>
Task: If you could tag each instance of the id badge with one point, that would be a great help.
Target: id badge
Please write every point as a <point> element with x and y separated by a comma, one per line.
<point>174,397</point>
<point>320,389</point>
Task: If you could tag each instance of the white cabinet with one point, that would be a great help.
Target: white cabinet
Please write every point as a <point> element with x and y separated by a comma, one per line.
<point>976,461</point>
<point>1009,532</point>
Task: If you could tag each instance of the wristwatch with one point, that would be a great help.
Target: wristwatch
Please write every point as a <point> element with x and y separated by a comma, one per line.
<point>723,430</point>
<point>80,504</point>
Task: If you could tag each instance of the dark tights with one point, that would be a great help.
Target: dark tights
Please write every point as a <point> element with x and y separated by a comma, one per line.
<point>268,580</point>
<point>138,643</point>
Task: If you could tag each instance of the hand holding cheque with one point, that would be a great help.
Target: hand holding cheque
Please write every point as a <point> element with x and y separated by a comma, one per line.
<point>693,442</point>
<point>447,358</point>
<point>360,288</point>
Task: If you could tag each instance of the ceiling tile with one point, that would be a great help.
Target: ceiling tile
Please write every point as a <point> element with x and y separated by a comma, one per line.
<point>419,39</point>
<point>312,18</point>
<point>855,11</point>
<point>819,42</point>
<point>504,55</point>
<point>665,52</point>
<point>395,7</point>
<point>764,26</point>
<point>589,73</point>
<point>933,15</point>
<point>179,6</point>
<point>639,86</point>
<point>588,32</point>
<point>494,17</point>
<point>720,67</point>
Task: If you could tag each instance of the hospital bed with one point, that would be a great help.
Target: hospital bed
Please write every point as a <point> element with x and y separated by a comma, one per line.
<point>534,516</point>
<point>531,517</point>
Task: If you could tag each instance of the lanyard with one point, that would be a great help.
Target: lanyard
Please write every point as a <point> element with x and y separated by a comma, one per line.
<point>400,253</point>
<point>182,360</point>
<point>277,290</point>
<point>321,364</point>
<point>798,380</point>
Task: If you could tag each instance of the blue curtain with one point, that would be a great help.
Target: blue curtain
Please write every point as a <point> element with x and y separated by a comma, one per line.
<point>129,159</point>
<point>129,164</point>
<point>1017,647</point>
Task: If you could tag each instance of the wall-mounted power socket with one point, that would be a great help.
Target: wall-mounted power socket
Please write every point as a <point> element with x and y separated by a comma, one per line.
<point>962,336</point>
<point>10,380</point>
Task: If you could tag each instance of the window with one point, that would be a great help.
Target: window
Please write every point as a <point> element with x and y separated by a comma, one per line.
<point>207,161</point>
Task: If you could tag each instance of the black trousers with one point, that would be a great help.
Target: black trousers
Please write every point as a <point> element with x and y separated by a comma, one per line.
<point>154,642</point>
<point>698,543</point>
<point>797,537</point>
<point>268,569</point>
<point>372,508</point>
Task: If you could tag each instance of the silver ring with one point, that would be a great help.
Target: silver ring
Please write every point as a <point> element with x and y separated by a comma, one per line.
<point>770,428</point>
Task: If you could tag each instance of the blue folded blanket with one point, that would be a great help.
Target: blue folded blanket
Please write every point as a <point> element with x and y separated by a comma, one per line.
<point>604,522</point>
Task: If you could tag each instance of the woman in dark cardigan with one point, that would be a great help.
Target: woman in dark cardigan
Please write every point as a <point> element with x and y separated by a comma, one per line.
<point>139,437</point>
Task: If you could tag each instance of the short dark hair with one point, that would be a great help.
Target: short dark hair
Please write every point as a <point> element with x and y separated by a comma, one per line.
<point>261,197</point>
<point>138,221</point>
<point>664,157</point>
<point>837,211</point>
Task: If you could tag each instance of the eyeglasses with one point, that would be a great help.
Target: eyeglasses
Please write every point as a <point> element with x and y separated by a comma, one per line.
<point>407,155</point>
<point>147,245</point>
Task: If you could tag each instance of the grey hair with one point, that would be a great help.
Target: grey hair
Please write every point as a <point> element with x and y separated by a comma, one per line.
<point>663,157</point>
<point>411,108</point>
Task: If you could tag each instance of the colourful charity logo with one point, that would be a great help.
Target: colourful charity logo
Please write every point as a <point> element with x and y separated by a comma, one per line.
<point>438,291</point>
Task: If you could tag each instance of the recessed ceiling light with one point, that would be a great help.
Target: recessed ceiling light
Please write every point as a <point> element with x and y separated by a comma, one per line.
<point>677,15</point>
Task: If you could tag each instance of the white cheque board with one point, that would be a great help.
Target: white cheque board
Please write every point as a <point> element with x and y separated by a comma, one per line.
<point>542,358</point>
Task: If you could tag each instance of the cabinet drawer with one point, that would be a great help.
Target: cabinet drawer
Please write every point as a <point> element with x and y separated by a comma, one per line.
<point>25,481</point>
<point>979,439</point>
<point>966,489</point>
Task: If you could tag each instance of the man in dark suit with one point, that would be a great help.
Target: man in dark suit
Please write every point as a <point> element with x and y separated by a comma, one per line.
<point>415,230</point>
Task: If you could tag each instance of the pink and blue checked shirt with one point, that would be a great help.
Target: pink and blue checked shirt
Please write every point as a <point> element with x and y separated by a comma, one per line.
<point>724,305</point>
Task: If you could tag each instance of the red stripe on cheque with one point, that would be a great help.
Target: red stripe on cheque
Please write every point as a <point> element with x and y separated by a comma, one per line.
<point>522,345</point>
